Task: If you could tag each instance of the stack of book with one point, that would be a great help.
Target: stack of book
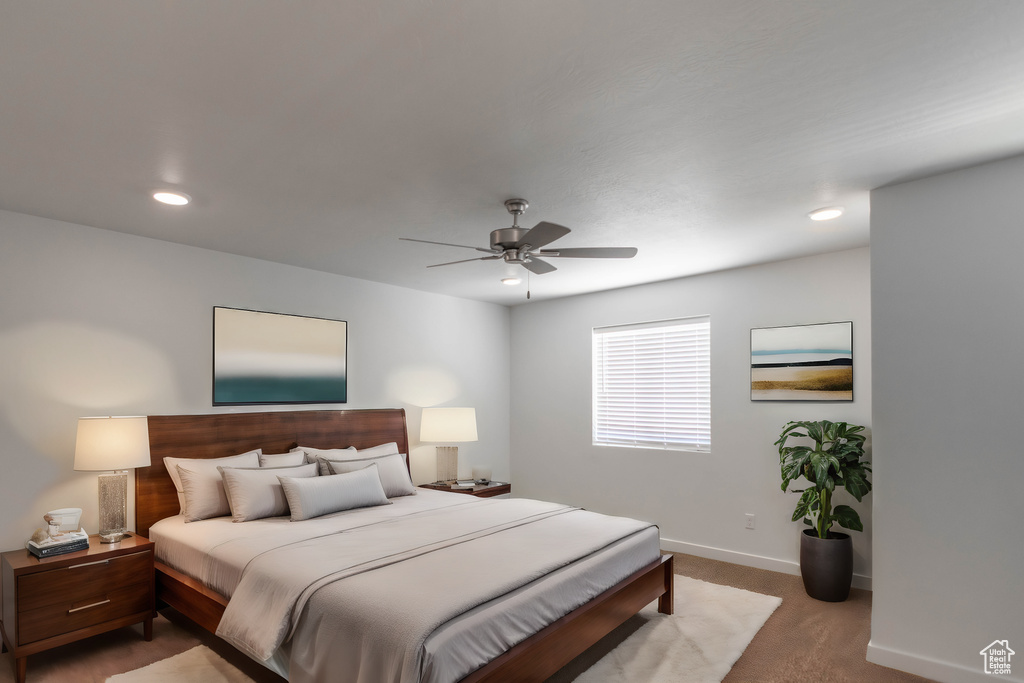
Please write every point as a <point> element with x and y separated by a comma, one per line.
<point>67,542</point>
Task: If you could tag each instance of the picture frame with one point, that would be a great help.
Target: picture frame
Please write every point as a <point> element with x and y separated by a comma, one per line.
<point>263,358</point>
<point>802,362</point>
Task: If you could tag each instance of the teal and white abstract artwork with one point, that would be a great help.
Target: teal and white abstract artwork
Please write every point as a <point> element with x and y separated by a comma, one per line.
<point>273,358</point>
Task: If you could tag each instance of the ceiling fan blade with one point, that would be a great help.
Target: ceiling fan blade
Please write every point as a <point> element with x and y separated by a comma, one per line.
<point>541,234</point>
<point>591,252</point>
<point>452,263</point>
<point>538,267</point>
<point>445,244</point>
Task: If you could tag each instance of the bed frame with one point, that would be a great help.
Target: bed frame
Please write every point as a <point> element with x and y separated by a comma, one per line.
<point>222,434</point>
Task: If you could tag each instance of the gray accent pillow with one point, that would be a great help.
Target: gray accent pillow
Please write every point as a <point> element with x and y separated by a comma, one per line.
<point>319,455</point>
<point>316,496</point>
<point>383,449</point>
<point>292,459</point>
<point>394,476</point>
<point>257,493</point>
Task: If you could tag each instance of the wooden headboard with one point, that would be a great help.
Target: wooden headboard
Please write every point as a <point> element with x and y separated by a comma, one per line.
<point>222,434</point>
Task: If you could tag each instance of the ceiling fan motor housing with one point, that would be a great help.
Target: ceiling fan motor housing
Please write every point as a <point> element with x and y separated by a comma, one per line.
<point>506,238</point>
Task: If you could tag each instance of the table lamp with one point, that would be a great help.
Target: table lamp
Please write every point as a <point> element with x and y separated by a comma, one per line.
<point>118,444</point>
<point>448,425</point>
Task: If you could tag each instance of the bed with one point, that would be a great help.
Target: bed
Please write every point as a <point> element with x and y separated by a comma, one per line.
<point>533,657</point>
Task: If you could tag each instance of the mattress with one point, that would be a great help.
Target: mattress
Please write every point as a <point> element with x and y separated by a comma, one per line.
<point>217,551</point>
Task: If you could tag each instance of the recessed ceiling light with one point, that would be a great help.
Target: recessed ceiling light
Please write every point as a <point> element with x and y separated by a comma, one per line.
<point>172,198</point>
<point>510,281</point>
<point>826,214</point>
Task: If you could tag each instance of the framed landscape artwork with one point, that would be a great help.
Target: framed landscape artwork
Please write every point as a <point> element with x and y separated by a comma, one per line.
<point>802,363</point>
<point>272,358</point>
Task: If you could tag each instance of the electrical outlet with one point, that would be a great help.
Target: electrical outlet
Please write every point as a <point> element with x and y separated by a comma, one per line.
<point>750,521</point>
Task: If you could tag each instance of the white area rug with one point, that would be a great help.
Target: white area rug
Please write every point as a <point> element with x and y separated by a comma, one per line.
<point>711,627</point>
<point>198,665</point>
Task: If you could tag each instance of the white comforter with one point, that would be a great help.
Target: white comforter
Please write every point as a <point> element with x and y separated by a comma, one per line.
<point>368,595</point>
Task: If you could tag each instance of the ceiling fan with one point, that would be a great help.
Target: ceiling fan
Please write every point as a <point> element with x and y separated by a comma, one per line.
<point>522,246</point>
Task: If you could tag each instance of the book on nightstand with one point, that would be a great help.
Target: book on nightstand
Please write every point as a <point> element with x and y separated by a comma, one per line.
<point>67,542</point>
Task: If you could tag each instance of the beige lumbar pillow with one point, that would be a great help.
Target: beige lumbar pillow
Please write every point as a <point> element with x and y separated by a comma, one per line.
<point>313,497</point>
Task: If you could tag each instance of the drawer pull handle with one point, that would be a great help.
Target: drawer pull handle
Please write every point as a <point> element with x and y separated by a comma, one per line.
<point>89,564</point>
<point>95,604</point>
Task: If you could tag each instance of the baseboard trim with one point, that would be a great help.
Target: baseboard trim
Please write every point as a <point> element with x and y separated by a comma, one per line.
<point>748,560</point>
<point>928,667</point>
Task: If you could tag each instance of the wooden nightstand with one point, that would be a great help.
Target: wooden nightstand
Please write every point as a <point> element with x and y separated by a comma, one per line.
<point>488,490</point>
<point>58,600</point>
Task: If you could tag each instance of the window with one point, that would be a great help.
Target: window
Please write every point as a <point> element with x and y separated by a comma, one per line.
<point>652,385</point>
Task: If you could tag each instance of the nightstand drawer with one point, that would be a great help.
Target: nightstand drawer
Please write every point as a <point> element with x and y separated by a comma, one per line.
<point>71,615</point>
<point>82,581</point>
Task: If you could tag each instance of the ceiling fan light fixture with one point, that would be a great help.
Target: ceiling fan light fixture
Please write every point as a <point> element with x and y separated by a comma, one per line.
<point>826,214</point>
<point>510,281</point>
<point>172,198</point>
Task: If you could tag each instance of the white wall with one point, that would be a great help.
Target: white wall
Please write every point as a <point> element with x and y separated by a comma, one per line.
<point>94,322</point>
<point>699,500</point>
<point>948,308</point>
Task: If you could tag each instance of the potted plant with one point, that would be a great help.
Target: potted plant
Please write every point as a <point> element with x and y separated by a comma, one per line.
<point>834,459</point>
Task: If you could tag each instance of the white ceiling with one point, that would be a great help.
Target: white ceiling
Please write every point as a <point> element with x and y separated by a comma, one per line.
<point>318,133</point>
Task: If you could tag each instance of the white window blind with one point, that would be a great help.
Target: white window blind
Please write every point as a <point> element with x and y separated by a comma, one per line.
<point>652,385</point>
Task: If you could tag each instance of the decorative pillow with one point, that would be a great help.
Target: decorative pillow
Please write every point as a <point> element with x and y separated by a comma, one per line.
<point>383,449</point>
<point>316,496</point>
<point>204,495</point>
<point>293,459</point>
<point>315,455</point>
<point>350,453</point>
<point>209,465</point>
<point>255,494</point>
<point>394,476</point>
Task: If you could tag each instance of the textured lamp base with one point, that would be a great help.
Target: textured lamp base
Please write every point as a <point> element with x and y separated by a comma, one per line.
<point>447,463</point>
<point>113,506</point>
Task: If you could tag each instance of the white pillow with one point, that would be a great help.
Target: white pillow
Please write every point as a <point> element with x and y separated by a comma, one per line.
<point>255,494</point>
<point>204,496</point>
<point>394,476</point>
<point>383,449</point>
<point>316,496</point>
<point>315,455</point>
<point>293,459</point>
<point>350,453</point>
<point>209,465</point>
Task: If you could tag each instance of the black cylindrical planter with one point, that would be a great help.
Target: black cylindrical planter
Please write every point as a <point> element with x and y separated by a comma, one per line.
<point>826,565</point>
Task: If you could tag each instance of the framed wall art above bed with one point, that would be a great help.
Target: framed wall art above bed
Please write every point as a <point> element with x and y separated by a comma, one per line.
<point>262,358</point>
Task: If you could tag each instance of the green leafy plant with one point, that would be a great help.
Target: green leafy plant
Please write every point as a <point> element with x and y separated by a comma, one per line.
<point>835,459</point>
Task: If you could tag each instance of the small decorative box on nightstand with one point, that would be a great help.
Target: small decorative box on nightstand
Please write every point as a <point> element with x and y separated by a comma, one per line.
<point>57,600</point>
<point>488,490</point>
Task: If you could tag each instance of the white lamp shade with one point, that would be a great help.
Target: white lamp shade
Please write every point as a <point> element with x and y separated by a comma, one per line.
<point>112,443</point>
<point>448,425</point>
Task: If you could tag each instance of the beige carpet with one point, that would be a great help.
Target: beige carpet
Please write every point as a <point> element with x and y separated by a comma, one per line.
<point>805,640</point>
<point>711,627</point>
<point>200,664</point>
